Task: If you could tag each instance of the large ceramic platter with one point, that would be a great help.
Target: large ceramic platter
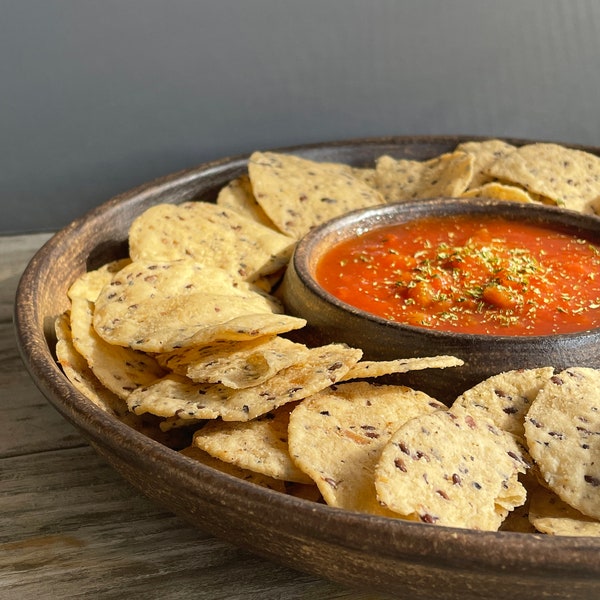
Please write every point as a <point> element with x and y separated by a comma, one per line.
<point>408,560</point>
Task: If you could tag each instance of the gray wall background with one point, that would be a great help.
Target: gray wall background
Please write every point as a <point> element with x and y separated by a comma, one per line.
<point>100,96</point>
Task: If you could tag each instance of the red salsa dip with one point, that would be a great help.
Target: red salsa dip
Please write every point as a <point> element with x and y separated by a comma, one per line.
<point>472,274</point>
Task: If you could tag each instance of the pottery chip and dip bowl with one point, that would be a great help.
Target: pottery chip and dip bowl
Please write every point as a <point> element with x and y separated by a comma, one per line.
<point>287,521</point>
<point>330,318</point>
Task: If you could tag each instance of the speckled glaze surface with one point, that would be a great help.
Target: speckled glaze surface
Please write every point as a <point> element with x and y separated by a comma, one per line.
<point>331,319</point>
<point>405,560</point>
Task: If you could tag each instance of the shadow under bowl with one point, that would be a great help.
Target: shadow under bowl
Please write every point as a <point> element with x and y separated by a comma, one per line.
<point>330,319</point>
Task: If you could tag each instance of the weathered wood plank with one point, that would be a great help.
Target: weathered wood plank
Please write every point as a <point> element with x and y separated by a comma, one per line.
<point>71,527</point>
<point>15,253</point>
<point>31,424</point>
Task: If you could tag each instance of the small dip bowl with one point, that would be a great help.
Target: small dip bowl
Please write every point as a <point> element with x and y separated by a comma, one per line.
<point>330,319</point>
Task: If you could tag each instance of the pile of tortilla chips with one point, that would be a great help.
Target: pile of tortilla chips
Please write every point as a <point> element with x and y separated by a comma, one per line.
<point>186,341</point>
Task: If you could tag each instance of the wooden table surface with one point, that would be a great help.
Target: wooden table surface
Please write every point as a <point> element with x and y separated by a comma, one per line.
<point>70,527</point>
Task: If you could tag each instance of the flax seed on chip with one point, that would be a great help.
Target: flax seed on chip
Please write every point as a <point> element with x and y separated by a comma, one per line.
<point>336,437</point>
<point>562,429</point>
<point>451,468</point>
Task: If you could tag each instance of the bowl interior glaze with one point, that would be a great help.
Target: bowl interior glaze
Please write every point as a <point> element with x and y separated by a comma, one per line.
<point>403,559</point>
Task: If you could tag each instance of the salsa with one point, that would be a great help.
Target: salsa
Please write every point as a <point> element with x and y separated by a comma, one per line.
<point>469,274</point>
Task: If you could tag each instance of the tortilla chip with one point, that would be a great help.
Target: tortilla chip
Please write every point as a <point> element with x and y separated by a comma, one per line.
<point>451,468</point>
<point>120,369</point>
<point>78,372</point>
<point>244,327</point>
<point>237,195</point>
<point>549,514</point>
<point>569,177</point>
<point>157,306</point>
<point>298,194</point>
<point>209,235</point>
<point>210,461</point>
<point>235,364</point>
<point>367,175</point>
<point>500,191</point>
<point>90,284</point>
<point>485,153</point>
<point>562,431</point>
<point>259,445</point>
<point>447,175</point>
<point>174,395</point>
<point>505,398</point>
<point>336,437</point>
<point>378,368</point>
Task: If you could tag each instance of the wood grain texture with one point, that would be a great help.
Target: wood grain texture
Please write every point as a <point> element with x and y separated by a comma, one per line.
<point>71,527</point>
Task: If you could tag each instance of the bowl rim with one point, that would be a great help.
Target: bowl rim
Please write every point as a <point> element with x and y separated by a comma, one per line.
<point>304,251</point>
<point>421,542</point>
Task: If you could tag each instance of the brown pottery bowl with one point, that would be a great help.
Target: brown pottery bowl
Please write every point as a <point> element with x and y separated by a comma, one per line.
<point>404,559</point>
<point>330,319</point>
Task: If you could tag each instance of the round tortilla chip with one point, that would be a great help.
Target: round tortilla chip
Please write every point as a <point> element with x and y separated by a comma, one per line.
<point>485,153</point>
<point>447,175</point>
<point>210,235</point>
<point>505,398</point>
<point>235,364</point>
<point>568,177</point>
<point>178,396</point>
<point>120,369</point>
<point>379,368</point>
<point>562,429</point>
<point>500,191</point>
<point>549,514</point>
<point>451,468</point>
<point>259,445</point>
<point>237,195</point>
<point>336,437</point>
<point>90,284</point>
<point>298,194</point>
<point>157,306</point>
